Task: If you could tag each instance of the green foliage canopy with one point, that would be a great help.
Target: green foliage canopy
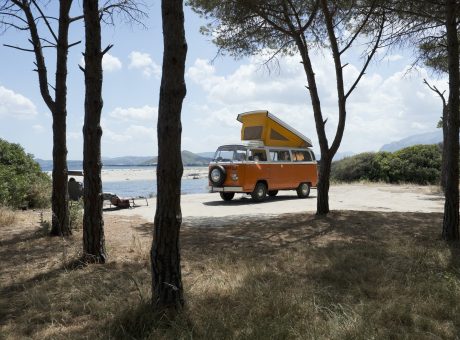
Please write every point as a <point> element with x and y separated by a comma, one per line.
<point>247,27</point>
<point>419,164</point>
<point>22,183</point>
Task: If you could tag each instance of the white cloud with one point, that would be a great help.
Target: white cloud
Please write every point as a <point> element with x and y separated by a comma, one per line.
<point>109,63</point>
<point>145,112</point>
<point>136,140</point>
<point>393,57</point>
<point>141,132</point>
<point>143,61</point>
<point>15,105</point>
<point>115,136</point>
<point>382,108</point>
<point>251,82</point>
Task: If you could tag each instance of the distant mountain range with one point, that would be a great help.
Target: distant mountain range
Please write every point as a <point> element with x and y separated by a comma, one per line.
<point>188,159</point>
<point>434,137</point>
<point>203,158</point>
<point>209,155</point>
<point>126,160</point>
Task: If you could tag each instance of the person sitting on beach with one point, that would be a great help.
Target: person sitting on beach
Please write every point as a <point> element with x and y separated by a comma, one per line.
<point>75,189</point>
<point>121,203</point>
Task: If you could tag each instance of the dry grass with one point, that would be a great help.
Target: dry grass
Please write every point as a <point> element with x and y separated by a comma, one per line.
<point>7,217</point>
<point>351,275</point>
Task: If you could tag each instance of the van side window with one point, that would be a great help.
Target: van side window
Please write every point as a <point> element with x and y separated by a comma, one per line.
<point>239,155</point>
<point>257,155</point>
<point>301,156</point>
<point>280,155</point>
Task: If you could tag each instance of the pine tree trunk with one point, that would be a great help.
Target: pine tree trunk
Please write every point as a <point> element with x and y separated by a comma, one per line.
<point>93,222</point>
<point>60,225</point>
<point>60,198</point>
<point>167,292</point>
<point>450,228</point>
<point>322,201</point>
<point>445,114</point>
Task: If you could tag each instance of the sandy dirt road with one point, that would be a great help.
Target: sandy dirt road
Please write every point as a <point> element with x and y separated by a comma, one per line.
<point>361,197</point>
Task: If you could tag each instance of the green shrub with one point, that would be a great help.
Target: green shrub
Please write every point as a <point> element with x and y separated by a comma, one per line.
<point>22,183</point>
<point>76,215</point>
<point>416,164</point>
<point>419,164</point>
<point>364,166</point>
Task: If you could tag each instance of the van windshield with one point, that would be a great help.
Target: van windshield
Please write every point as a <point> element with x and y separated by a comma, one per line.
<point>230,153</point>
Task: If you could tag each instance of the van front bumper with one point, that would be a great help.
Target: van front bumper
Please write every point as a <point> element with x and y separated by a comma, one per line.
<point>225,189</point>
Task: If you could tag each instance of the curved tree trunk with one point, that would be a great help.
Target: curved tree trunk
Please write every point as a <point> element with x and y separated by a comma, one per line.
<point>57,106</point>
<point>93,222</point>
<point>167,292</point>
<point>450,227</point>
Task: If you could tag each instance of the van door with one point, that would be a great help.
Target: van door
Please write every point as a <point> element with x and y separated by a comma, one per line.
<point>280,169</point>
<point>257,168</point>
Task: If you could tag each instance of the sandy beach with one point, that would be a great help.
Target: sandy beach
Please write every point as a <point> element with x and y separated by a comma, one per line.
<point>149,173</point>
<point>362,197</point>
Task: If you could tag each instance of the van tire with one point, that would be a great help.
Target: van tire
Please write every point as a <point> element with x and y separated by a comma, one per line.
<point>303,190</point>
<point>223,175</point>
<point>227,196</point>
<point>260,192</point>
<point>272,193</point>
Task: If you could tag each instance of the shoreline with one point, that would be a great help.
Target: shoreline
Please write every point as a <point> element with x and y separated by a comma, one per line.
<point>356,197</point>
<point>118,174</point>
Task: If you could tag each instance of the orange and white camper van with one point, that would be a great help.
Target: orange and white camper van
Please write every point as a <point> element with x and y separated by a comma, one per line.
<point>273,156</point>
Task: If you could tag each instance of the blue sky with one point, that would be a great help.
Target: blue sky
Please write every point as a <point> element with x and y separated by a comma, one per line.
<point>390,103</point>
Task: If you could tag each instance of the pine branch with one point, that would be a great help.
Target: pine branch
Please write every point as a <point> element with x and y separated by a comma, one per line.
<point>19,48</point>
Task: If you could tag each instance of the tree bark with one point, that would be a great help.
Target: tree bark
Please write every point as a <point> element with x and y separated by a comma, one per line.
<point>58,107</point>
<point>445,113</point>
<point>167,292</point>
<point>450,227</point>
<point>322,200</point>
<point>60,225</point>
<point>60,196</point>
<point>93,222</point>
<point>327,153</point>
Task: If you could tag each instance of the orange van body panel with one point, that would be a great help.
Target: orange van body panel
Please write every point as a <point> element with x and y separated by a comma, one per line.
<point>278,176</point>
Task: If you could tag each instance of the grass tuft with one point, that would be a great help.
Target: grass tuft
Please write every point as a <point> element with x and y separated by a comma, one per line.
<point>7,217</point>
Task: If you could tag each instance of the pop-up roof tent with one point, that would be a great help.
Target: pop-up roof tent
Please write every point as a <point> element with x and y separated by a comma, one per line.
<point>265,127</point>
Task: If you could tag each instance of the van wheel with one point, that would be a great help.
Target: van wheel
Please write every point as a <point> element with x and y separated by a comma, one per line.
<point>272,193</point>
<point>260,192</point>
<point>227,196</point>
<point>217,175</point>
<point>303,191</point>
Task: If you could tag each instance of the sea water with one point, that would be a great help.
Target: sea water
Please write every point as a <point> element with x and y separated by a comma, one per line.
<point>148,188</point>
<point>194,181</point>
